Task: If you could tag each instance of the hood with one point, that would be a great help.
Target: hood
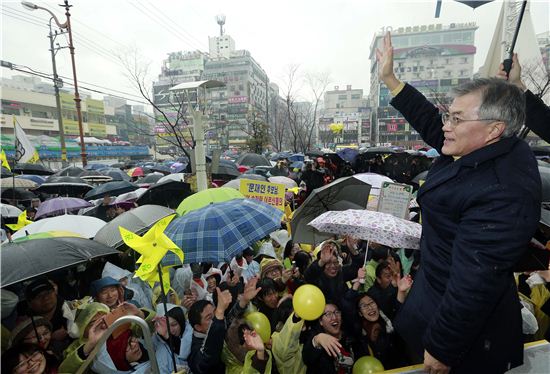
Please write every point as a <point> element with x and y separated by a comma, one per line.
<point>280,236</point>
<point>84,315</point>
<point>266,249</point>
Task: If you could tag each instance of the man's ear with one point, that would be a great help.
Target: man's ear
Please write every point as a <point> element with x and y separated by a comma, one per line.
<point>496,131</point>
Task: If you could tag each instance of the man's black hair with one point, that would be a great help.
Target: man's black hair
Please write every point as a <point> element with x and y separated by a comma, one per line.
<point>195,311</point>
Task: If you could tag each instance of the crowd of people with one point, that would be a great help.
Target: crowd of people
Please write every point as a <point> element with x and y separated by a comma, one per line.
<point>454,305</point>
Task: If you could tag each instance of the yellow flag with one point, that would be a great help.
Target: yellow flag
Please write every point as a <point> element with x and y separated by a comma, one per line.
<point>152,246</point>
<point>4,160</point>
<point>22,221</point>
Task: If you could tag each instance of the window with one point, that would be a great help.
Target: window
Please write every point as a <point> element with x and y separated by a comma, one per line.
<point>342,97</point>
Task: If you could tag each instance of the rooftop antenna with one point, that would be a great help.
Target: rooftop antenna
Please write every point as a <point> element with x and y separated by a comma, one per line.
<point>220,19</point>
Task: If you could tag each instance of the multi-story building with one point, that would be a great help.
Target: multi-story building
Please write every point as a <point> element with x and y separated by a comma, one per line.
<point>347,107</point>
<point>433,58</point>
<point>32,103</point>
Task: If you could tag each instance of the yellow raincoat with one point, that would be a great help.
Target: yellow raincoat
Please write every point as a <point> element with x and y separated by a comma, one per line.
<point>287,349</point>
<point>233,366</point>
<point>539,295</point>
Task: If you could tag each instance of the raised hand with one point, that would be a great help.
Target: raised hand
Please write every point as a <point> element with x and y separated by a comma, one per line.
<point>250,291</point>
<point>515,73</point>
<point>95,333</point>
<point>161,327</point>
<point>253,340</point>
<point>404,284</point>
<point>224,300</point>
<point>330,344</point>
<point>384,57</point>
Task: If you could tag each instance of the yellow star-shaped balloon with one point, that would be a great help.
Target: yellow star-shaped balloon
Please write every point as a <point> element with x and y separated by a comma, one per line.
<point>152,246</point>
<point>22,221</point>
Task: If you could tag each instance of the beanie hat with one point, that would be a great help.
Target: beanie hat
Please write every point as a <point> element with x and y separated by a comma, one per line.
<point>26,326</point>
<point>269,264</point>
<point>281,237</point>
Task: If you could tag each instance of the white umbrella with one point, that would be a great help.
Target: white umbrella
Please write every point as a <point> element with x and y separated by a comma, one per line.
<point>286,181</point>
<point>82,225</point>
<point>375,180</point>
<point>17,183</point>
<point>235,183</point>
<point>129,196</point>
<point>9,211</point>
<point>178,177</point>
<point>379,227</point>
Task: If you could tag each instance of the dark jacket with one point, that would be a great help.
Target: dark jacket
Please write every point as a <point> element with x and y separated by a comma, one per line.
<point>478,214</point>
<point>537,116</point>
<point>318,361</point>
<point>332,288</point>
<point>205,356</point>
<point>385,298</point>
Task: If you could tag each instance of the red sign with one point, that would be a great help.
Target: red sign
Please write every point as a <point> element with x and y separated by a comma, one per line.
<point>237,99</point>
<point>391,127</point>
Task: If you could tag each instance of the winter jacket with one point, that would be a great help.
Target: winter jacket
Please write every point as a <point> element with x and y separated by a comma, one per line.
<point>206,349</point>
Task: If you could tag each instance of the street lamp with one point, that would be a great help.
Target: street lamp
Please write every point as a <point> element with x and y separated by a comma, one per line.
<point>67,25</point>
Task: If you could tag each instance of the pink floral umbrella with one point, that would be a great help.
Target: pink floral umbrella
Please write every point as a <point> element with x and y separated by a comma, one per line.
<point>378,227</point>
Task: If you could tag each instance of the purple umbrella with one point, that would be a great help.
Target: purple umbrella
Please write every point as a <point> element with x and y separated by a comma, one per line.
<point>60,205</point>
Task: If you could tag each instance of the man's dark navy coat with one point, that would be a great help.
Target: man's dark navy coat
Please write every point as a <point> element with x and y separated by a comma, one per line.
<point>478,215</point>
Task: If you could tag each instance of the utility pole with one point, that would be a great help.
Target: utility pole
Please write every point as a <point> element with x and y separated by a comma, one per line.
<point>56,85</point>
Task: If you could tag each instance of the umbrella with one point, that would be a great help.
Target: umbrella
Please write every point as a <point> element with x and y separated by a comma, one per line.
<point>296,157</point>
<point>281,156</point>
<point>161,169</point>
<point>17,183</point>
<point>71,171</point>
<point>288,183</point>
<point>420,176</point>
<point>168,193</point>
<point>60,205</point>
<point>253,159</point>
<point>432,153</point>
<point>235,184</point>
<point>348,154</point>
<point>315,153</point>
<point>380,150</point>
<point>178,167</point>
<point>116,174</point>
<point>220,231</point>
<point>375,180</point>
<point>178,177</point>
<point>137,220</point>
<point>378,227</point>
<point>129,196</point>
<point>226,169</point>
<point>36,169</point>
<point>64,185</point>
<point>10,211</point>
<point>96,166</point>
<point>95,176</point>
<point>31,258</point>
<point>342,194</point>
<point>5,173</point>
<point>17,194</point>
<point>545,182</point>
<point>85,226</point>
<point>255,177</point>
<point>242,168</point>
<point>206,197</point>
<point>48,234</point>
<point>38,179</point>
<point>297,165</point>
<point>149,179</point>
<point>113,188</point>
<point>138,172</point>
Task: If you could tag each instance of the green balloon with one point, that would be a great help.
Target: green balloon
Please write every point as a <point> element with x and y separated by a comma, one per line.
<point>259,322</point>
<point>367,365</point>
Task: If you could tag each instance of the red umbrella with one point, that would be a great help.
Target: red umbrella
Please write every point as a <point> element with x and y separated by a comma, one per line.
<point>242,168</point>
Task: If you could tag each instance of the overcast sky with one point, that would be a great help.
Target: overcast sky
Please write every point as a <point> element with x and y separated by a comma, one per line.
<point>319,36</point>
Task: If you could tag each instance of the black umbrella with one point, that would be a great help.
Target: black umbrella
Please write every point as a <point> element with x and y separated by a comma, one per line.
<point>342,194</point>
<point>64,185</point>
<point>114,188</point>
<point>71,171</point>
<point>6,173</point>
<point>116,174</point>
<point>149,179</point>
<point>545,181</point>
<point>226,170</point>
<point>28,259</point>
<point>36,169</point>
<point>420,176</point>
<point>253,159</point>
<point>95,176</point>
<point>137,220</point>
<point>20,194</point>
<point>161,169</point>
<point>169,194</point>
<point>379,150</point>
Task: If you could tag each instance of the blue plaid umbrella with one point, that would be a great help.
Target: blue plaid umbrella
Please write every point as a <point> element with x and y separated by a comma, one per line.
<point>220,231</point>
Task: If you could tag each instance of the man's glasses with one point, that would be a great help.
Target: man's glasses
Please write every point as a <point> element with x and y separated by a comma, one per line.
<point>452,119</point>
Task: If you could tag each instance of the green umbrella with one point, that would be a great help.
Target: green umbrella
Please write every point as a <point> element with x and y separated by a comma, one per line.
<point>206,197</point>
<point>48,234</point>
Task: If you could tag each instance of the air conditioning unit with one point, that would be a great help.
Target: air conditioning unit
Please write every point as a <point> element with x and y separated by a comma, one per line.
<point>423,28</point>
<point>416,28</point>
<point>431,27</point>
<point>400,30</point>
<point>408,29</point>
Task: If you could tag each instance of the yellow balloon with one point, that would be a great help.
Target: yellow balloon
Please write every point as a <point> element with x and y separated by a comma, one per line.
<point>259,322</point>
<point>308,302</point>
<point>367,365</point>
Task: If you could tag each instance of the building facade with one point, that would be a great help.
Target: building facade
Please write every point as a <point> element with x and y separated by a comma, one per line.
<point>433,58</point>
